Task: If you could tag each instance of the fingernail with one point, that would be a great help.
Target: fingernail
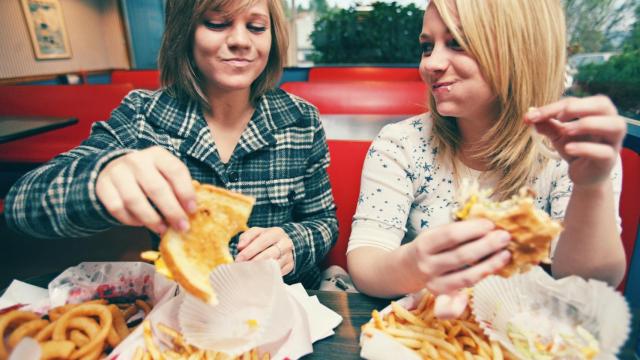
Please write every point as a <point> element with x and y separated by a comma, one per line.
<point>504,237</point>
<point>533,114</point>
<point>192,207</point>
<point>183,225</point>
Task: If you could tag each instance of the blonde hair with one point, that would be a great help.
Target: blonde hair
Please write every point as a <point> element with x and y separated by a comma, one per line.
<point>520,47</point>
<point>178,71</point>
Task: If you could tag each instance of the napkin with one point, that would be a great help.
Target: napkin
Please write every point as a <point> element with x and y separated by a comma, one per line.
<point>20,292</point>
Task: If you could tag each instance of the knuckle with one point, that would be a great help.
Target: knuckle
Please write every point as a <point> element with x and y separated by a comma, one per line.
<point>602,99</point>
<point>156,149</point>
<point>433,287</point>
<point>467,281</point>
<point>128,200</point>
<point>153,222</point>
<point>114,207</point>
<point>607,103</point>
<point>572,105</point>
<point>449,232</point>
<point>462,257</point>
<point>154,190</point>
<point>425,268</point>
<point>620,125</point>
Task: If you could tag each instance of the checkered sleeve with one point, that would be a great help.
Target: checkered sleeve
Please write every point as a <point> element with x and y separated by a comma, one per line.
<point>58,199</point>
<point>315,227</point>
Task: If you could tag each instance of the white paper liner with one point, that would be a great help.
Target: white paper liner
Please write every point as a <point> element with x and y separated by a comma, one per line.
<point>252,310</point>
<point>376,345</point>
<point>592,304</point>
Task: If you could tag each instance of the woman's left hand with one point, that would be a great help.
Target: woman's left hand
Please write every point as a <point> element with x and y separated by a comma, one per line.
<point>586,132</point>
<point>266,243</point>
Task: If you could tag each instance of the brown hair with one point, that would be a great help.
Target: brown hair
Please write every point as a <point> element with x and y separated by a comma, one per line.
<point>178,71</point>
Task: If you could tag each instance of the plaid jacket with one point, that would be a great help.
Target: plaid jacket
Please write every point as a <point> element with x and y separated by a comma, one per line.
<point>281,160</point>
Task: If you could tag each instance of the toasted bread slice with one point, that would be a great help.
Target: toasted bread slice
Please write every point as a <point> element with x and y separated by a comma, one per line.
<point>531,229</point>
<point>192,255</point>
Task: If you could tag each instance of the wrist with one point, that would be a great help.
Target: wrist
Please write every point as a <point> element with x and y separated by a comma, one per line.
<point>592,189</point>
<point>409,261</point>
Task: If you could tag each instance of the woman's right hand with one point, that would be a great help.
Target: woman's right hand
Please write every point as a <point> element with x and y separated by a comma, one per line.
<point>458,255</point>
<point>149,187</point>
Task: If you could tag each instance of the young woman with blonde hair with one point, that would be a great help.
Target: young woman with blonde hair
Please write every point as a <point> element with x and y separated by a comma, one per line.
<point>218,119</point>
<point>487,63</point>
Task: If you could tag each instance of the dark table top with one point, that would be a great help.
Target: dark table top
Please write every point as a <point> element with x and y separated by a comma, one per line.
<point>355,310</point>
<point>17,127</point>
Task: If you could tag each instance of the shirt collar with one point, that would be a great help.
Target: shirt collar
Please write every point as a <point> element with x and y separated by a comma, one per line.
<point>274,110</point>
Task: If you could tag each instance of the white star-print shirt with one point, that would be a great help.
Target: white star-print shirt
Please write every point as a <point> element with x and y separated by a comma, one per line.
<point>405,189</point>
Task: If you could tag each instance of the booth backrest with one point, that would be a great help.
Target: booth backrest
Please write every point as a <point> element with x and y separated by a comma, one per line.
<point>141,79</point>
<point>363,73</point>
<point>630,205</point>
<point>87,103</point>
<point>347,158</point>
<point>363,97</point>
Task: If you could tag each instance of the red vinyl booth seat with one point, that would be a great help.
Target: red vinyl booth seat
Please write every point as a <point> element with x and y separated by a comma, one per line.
<point>347,158</point>
<point>141,79</point>
<point>363,97</point>
<point>630,204</point>
<point>87,103</point>
<point>363,73</point>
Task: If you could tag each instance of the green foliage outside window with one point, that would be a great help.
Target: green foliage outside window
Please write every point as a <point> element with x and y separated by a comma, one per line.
<point>619,78</point>
<point>387,34</point>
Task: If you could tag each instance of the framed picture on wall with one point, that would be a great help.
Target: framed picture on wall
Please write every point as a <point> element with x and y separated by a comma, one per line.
<point>46,28</point>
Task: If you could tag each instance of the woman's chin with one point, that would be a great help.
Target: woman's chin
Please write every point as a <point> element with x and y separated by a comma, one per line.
<point>448,111</point>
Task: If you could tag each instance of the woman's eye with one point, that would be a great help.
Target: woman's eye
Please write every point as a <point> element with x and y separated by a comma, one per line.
<point>426,48</point>
<point>215,25</point>
<point>455,45</point>
<point>256,28</point>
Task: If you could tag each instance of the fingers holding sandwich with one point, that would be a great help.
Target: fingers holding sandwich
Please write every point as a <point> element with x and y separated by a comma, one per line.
<point>460,254</point>
<point>149,187</point>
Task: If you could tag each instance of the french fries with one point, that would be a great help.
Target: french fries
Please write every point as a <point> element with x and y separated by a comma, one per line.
<point>178,349</point>
<point>431,338</point>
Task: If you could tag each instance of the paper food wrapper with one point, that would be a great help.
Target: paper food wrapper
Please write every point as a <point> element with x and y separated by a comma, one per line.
<point>246,316</point>
<point>376,345</point>
<point>104,280</point>
<point>286,317</point>
<point>88,281</point>
<point>571,301</point>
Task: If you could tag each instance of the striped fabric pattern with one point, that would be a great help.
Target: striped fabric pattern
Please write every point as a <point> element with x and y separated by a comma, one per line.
<point>281,160</point>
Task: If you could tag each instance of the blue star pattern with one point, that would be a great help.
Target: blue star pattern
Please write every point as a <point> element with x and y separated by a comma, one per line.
<point>406,188</point>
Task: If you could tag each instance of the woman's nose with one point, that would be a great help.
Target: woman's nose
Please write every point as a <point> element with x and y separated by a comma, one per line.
<point>238,37</point>
<point>436,62</point>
